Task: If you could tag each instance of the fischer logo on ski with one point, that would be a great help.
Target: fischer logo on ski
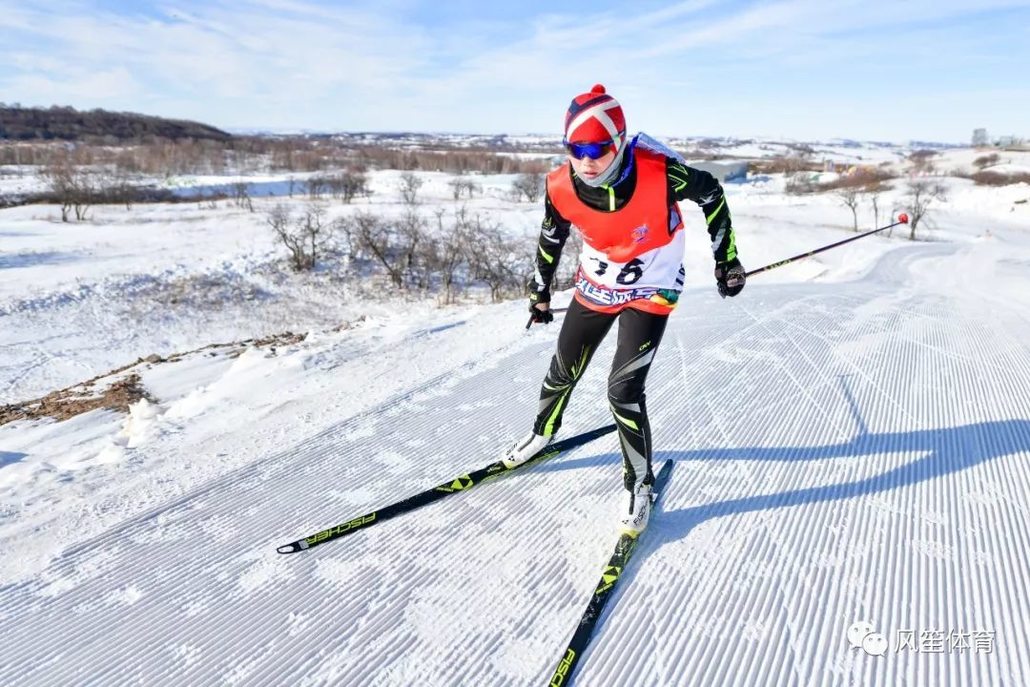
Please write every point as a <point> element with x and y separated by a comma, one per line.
<point>459,484</point>
<point>563,668</point>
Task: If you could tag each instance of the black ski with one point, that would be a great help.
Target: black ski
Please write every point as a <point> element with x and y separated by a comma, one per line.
<point>609,578</point>
<point>460,483</point>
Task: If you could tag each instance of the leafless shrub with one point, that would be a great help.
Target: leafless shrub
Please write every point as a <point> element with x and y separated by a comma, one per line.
<point>921,195</point>
<point>316,186</point>
<point>874,200</point>
<point>986,160</point>
<point>999,179</point>
<point>415,247</point>
<point>463,184</point>
<point>410,184</point>
<point>528,185</point>
<point>446,254</point>
<point>353,183</point>
<point>863,179</point>
<point>800,183</point>
<point>118,188</point>
<point>241,195</point>
<point>504,264</point>
<point>783,164</point>
<point>370,237</point>
<point>448,257</point>
<point>74,186</point>
<point>344,185</point>
<point>922,161</point>
<point>59,176</point>
<point>802,150</point>
<point>454,161</point>
<point>849,198</point>
<point>305,237</point>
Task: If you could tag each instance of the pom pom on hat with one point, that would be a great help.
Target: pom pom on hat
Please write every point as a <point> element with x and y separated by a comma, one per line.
<point>594,117</point>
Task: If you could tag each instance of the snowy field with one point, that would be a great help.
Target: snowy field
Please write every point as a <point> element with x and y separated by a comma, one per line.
<point>851,437</point>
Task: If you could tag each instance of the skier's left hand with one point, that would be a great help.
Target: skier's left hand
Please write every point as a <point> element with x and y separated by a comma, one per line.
<point>729,277</point>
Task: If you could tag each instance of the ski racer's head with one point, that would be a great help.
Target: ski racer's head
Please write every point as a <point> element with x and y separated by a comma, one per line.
<point>595,135</point>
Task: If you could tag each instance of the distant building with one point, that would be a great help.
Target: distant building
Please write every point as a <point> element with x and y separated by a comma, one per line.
<point>980,139</point>
<point>731,170</point>
<point>1010,142</point>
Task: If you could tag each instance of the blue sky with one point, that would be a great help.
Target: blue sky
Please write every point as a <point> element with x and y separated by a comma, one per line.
<point>909,69</point>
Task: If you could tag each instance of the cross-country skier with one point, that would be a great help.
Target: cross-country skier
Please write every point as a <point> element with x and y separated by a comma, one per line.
<point>622,197</point>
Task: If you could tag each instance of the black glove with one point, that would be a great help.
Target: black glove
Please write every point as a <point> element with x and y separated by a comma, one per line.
<point>729,277</point>
<point>539,315</point>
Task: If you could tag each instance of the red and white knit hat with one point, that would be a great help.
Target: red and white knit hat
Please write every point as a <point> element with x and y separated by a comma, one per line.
<point>595,117</point>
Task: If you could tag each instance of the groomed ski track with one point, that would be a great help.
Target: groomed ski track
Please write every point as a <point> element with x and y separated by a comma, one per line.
<point>845,452</point>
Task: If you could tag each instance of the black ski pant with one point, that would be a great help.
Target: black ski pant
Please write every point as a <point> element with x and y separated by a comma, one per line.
<point>581,333</point>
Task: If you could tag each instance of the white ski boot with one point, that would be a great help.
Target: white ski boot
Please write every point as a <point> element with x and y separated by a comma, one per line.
<point>524,449</point>
<point>636,510</point>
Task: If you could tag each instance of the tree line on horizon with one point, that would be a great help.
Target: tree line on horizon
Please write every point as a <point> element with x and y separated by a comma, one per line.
<point>63,123</point>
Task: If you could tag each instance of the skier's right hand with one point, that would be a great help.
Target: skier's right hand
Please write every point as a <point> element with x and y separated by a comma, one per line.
<point>539,303</point>
<point>540,310</point>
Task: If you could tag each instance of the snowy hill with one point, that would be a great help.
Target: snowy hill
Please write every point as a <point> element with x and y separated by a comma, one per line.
<point>851,437</point>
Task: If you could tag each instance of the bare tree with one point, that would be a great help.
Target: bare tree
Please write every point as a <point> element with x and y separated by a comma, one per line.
<point>118,187</point>
<point>921,195</point>
<point>528,185</point>
<point>848,196</point>
<point>87,192</point>
<point>73,178</point>
<point>799,183</point>
<point>241,195</point>
<point>370,237</point>
<point>414,245</point>
<point>60,177</point>
<point>922,161</point>
<point>410,184</point>
<point>463,184</point>
<point>449,254</point>
<point>986,160</point>
<point>316,228</point>
<point>316,186</point>
<point>355,182</point>
<point>874,199</point>
<point>502,263</point>
<point>305,237</point>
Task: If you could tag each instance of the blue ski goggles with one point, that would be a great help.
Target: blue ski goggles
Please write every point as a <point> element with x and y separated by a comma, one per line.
<point>590,150</point>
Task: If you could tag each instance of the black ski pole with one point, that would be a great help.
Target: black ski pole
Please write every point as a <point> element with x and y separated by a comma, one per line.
<point>530,323</point>
<point>902,219</point>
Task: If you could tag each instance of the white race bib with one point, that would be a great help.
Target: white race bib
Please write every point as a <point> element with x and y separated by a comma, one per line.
<point>660,268</point>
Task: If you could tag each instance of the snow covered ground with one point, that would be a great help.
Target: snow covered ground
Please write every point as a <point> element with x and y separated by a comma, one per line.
<point>851,438</point>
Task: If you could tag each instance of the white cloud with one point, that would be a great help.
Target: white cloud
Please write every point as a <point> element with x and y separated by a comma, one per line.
<point>294,64</point>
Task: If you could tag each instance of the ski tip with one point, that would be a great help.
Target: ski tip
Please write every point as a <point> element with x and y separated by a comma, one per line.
<point>289,548</point>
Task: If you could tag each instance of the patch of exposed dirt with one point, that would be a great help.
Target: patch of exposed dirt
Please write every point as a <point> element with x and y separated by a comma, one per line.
<point>120,388</point>
<point>81,398</point>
